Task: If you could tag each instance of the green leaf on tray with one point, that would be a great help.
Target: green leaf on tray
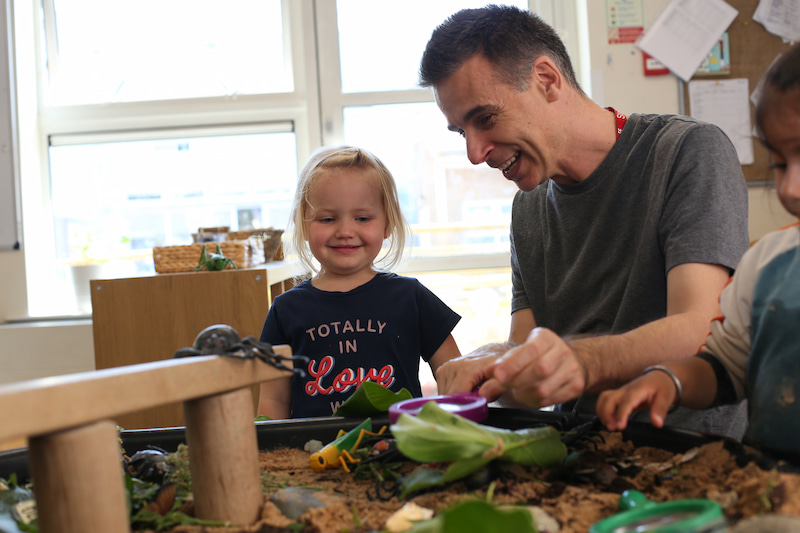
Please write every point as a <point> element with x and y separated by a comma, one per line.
<point>437,435</point>
<point>478,516</point>
<point>371,398</point>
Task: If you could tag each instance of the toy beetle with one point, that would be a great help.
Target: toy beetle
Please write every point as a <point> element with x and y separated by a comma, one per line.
<point>149,465</point>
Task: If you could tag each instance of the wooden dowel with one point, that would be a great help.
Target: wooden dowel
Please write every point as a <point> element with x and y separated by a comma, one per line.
<point>79,481</point>
<point>223,457</point>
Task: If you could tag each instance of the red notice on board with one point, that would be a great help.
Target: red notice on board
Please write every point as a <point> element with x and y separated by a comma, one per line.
<point>624,35</point>
<point>652,66</point>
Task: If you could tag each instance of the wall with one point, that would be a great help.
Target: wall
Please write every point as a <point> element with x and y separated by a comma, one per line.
<point>50,348</point>
<point>617,81</point>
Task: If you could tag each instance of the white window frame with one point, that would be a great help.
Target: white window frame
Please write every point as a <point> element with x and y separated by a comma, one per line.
<point>222,115</point>
<point>567,17</point>
<point>314,109</point>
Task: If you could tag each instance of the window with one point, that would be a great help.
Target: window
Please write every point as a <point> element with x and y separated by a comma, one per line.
<point>156,118</point>
<point>100,51</point>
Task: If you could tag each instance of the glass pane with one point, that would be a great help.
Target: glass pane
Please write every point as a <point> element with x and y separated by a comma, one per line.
<point>483,299</point>
<point>156,49</point>
<point>113,202</point>
<point>381,43</point>
<point>454,206</point>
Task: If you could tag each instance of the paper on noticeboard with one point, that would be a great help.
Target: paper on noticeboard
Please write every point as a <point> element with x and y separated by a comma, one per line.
<point>685,32</point>
<point>726,104</point>
<point>781,18</point>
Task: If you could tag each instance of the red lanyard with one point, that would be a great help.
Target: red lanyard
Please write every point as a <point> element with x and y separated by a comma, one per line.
<point>621,120</point>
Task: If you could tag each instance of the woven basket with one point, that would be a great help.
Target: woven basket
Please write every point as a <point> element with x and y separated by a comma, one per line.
<point>244,253</point>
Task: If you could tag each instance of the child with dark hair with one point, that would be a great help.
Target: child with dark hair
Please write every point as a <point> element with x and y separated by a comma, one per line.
<point>753,351</point>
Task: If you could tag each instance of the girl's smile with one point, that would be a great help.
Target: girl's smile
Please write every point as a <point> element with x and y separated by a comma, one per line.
<point>347,227</point>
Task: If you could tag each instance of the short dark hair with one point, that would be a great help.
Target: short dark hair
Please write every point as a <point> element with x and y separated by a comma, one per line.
<point>509,37</point>
<point>782,76</point>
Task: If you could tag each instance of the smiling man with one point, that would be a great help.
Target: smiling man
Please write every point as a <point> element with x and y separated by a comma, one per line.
<point>623,233</point>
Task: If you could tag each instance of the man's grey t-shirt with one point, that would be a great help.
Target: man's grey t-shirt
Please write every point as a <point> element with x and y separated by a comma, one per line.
<point>593,258</point>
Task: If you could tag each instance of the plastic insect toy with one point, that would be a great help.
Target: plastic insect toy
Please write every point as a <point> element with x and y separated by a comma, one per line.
<point>149,465</point>
<point>221,339</point>
<point>213,261</point>
<point>337,453</point>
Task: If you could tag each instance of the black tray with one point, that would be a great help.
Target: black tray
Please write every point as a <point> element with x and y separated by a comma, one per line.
<point>295,433</point>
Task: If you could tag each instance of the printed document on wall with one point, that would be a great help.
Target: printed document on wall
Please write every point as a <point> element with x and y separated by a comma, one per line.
<point>780,17</point>
<point>726,104</point>
<point>685,32</point>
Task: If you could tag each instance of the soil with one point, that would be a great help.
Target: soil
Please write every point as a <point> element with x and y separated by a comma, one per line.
<point>577,495</point>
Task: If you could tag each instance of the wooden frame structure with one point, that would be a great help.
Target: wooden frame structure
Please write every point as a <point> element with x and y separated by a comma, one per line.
<point>75,452</point>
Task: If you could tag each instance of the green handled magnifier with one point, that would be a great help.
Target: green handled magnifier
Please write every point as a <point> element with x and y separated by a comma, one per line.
<point>640,514</point>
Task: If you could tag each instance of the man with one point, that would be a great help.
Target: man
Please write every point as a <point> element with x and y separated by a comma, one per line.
<point>623,233</point>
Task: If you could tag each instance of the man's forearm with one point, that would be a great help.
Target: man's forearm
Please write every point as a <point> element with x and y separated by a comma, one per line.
<point>613,360</point>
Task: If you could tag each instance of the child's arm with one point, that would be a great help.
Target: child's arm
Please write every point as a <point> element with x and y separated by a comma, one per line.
<point>275,398</point>
<point>448,350</point>
<point>657,391</point>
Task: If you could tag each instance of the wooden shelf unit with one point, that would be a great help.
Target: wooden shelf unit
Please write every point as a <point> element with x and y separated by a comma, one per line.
<point>145,319</point>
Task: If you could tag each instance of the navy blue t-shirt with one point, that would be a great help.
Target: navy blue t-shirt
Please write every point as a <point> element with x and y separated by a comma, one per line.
<point>376,332</point>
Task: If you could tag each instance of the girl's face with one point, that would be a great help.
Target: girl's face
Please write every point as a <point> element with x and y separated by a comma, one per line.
<point>348,223</point>
<point>781,129</point>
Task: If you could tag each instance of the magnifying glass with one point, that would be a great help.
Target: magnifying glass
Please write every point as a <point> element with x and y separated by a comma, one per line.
<point>685,516</point>
<point>467,404</point>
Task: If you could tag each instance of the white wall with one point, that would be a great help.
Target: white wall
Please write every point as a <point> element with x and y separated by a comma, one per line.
<point>48,348</point>
<point>618,81</point>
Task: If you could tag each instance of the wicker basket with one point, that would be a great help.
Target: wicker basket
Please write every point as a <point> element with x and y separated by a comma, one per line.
<point>244,253</point>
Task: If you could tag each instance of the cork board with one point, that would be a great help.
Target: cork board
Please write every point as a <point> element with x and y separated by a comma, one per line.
<point>752,50</point>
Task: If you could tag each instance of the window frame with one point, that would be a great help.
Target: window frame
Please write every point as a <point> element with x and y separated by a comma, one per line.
<point>567,17</point>
<point>315,108</point>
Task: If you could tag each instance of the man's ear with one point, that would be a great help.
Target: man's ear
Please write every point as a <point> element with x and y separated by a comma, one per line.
<point>546,75</point>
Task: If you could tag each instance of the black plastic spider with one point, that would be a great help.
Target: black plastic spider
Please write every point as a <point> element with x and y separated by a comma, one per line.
<point>221,339</point>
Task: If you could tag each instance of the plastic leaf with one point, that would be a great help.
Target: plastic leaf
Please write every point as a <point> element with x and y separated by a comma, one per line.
<point>436,435</point>
<point>371,398</point>
<point>439,435</point>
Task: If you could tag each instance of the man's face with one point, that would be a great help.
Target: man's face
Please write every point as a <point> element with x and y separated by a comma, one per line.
<point>503,127</point>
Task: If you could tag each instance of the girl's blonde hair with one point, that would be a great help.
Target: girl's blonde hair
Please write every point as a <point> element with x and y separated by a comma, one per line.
<point>345,157</point>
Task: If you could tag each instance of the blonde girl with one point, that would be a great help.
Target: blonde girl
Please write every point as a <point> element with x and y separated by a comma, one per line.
<point>354,319</point>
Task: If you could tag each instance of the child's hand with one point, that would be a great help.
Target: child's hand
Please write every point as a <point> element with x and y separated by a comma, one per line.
<point>654,390</point>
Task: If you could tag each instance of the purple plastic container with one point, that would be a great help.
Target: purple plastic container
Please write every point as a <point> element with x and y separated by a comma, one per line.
<point>467,404</point>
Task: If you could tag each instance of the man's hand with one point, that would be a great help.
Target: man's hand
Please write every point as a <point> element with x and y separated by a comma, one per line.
<point>543,371</point>
<point>466,373</point>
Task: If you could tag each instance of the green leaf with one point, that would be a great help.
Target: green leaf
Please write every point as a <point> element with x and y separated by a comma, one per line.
<point>371,398</point>
<point>477,517</point>
<point>421,479</point>
<point>437,435</point>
